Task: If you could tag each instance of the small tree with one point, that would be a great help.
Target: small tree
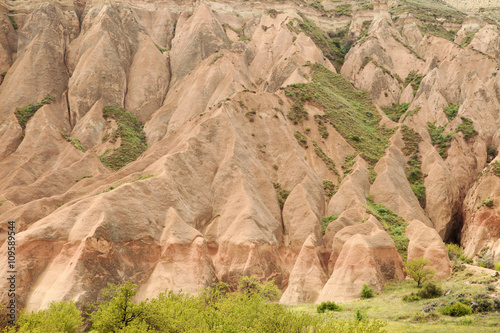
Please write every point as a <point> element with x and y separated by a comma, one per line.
<point>367,291</point>
<point>118,310</point>
<point>415,269</point>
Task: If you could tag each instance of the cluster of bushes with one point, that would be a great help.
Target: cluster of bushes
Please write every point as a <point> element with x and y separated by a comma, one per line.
<point>248,309</point>
<point>429,290</point>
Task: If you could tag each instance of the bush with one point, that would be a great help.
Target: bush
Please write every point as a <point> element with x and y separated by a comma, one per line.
<point>411,298</point>
<point>482,303</point>
<point>59,317</point>
<point>367,291</point>
<point>454,251</point>
<point>497,266</point>
<point>328,306</point>
<point>415,269</point>
<point>485,258</point>
<point>430,290</point>
<point>456,309</point>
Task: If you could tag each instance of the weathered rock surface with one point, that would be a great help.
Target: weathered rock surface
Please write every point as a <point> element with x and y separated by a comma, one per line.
<point>232,182</point>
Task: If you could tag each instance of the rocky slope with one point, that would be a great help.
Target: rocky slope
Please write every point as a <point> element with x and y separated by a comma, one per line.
<point>178,144</point>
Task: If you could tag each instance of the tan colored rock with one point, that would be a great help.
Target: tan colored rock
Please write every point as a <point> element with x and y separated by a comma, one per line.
<point>366,258</point>
<point>308,275</point>
<point>425,242</point>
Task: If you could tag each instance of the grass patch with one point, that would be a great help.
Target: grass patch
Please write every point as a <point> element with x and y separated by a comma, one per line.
<point>414,79</point>
<point>13,22</point>
<point>496,168</point>
<point>397,111</point>
<point>320,120</point>
<point>451,111</point>
<point>394,224</point>
<point>26,113</point>
<point>326,221</point>
<point>282,194</point>
<point>440,141</point>
<point>467,128</point>
<point>351,112</point>
<point>436,29</point>
<point>349,161</point>
<point>328,161</point>
<point>301,139</point>
<point>115,186</point>
<point>74,142</point>
<point>83,177</point>
<point>428,11</point>
<point>343,10</point>
<point>133,138</point>
<point>413,169</point>
<point>334,46</point>
<point>468,39</point>
<point>329,188</point>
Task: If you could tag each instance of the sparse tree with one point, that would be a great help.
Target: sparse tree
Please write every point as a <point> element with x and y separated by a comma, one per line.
<point>415,268</point>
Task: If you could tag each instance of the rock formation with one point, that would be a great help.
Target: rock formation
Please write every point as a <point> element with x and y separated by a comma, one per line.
<point>177,144</point>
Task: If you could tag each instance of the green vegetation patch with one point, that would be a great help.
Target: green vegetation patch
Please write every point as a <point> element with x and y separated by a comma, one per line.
<point>282,194</point>
<point>428,11</point>
<point>329,188</point>
<point>397,111</point>
<point>496,168</point>
<point>413,169</point>
<point>438,30</point>
<point>334,45</point>
<point>343,10</point>
<point>414,79</point>
<point>26,113</point>
<point>133,138</point>
<point>442,142</point>
<point>350,112</point>
<point>451,111</point>
<point>326,221</point>
<point>328,161</point>
<point>115,186</point>
<point>468,38</point>
<point>301,139</point>
<point>349,161</point>
<point>74,142</point>
<point>394,224</point>
<point>13,22</point>
<point>320,120</point>
<point>467,128</point>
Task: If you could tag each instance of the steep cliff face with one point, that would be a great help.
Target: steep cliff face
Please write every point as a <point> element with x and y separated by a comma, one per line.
<point>180,144</point>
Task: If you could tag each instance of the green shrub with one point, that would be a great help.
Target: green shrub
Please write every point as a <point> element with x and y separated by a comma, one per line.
<point>59,317</point>
<point>366,291</point>
<point>396,111</point>
<point>454,251</point>
<point>482,303</point>
<point>488,202</point>
<point>430,290</point>
<point>329,188</point>
<point>411,298</point>
<point>467,128</point>
<point>13,22</point>
<point>443,142</point>
<point>456,309</point>
<point>326,221</point>
<point>414,79</point>
<point>282,194</point>
<point>451,111</point>
<point>497,266</point>
<point>301,139</point>
<point>328,306</point>
<point>485,258</point>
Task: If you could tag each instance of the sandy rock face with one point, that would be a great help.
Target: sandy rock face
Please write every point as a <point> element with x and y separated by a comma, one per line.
<point>245,171</point>
<point>425,242</point>
<point>367,256</point>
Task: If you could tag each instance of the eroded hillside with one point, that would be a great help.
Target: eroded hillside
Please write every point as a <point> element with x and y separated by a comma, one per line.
<point>177,144</point>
